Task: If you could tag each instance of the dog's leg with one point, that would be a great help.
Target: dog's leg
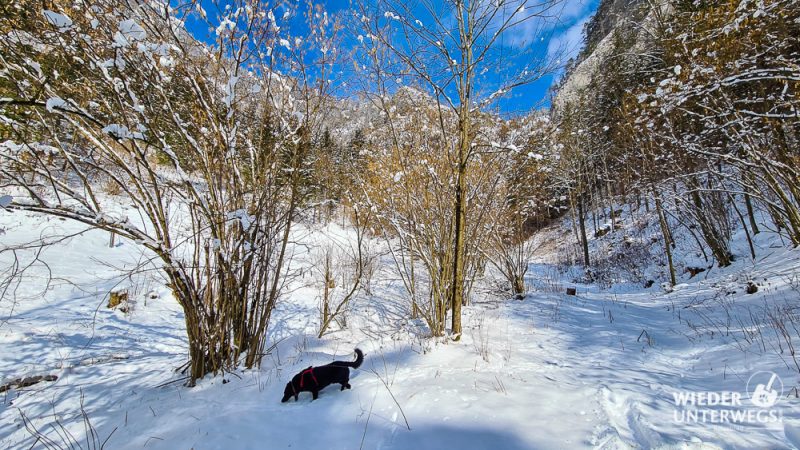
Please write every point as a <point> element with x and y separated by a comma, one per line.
<point>295,397</point>
<point>315,395</point>
<point>345,385</point>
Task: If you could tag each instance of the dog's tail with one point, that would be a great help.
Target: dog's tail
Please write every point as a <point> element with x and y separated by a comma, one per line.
<point>357,363</point>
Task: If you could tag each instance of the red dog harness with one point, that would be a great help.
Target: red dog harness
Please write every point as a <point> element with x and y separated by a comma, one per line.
<point>309,371</point>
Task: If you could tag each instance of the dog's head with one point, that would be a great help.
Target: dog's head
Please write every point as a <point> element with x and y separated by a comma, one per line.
<point>288,392</point>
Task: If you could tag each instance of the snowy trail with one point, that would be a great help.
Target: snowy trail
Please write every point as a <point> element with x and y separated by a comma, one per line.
<point>544,386</point>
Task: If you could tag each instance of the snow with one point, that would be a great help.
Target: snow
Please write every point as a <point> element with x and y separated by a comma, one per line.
<point>132,30</point>
<point>36,66</point>
<point>121,132</point>
<point>59,20</point>
<point>120,41</point>
<point>230,91</point>
<point>55,102</point>
<point>244,218</point>
<point>597,370</point>
<point>225,24</point>
<point>129,32</point>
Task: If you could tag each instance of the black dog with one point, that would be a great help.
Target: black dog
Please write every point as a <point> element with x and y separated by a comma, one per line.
<point>314,379</point>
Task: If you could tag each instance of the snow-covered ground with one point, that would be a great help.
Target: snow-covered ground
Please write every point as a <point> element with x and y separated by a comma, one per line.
<point>597,370</point>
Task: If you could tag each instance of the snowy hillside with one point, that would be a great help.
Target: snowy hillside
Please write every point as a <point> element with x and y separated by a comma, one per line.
<point>595,370</point>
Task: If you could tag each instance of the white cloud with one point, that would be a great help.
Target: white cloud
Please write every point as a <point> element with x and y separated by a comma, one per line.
<point>573,9</point>
<point>568,43</point>
<point>525,33</point>
<point>564,15</point>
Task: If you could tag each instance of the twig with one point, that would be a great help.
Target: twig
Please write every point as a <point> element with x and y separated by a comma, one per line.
<point>369,415</point>
<point>393,398</point>
<point>172,381</point>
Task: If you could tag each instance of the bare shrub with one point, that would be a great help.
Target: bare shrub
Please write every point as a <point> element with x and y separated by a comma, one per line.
<point>206,143</point>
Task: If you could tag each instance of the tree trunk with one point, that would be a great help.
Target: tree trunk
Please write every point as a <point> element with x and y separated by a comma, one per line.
<point>573,208</point>
<point>662,220</point>
<point>582,226</point>
<point>519,285</point>
<point>457,297</point>
<point>791,212</point>
<point>744,226</point>
<point>710,233</point>
<point>326,292</point>
<point>750,214</point>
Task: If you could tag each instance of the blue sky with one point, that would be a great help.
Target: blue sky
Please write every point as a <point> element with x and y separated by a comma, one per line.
<point>562,36</point>
<point>566,39</point>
